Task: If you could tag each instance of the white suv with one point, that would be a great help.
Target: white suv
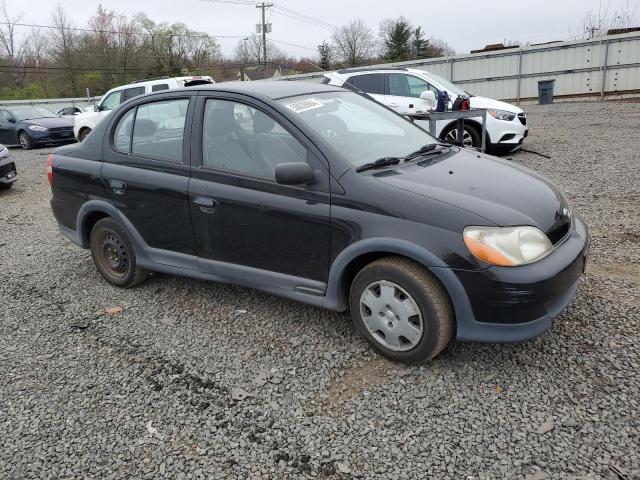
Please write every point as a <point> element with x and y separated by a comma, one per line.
<point>402,89</point>
<point>86,122</point>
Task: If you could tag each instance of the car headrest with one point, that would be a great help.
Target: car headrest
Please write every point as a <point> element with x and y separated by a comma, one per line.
<point>144,127</point>
<point>220,119</point>
<point>262,123</point>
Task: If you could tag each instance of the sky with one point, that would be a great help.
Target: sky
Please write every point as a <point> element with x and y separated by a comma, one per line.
<point>463,24</point>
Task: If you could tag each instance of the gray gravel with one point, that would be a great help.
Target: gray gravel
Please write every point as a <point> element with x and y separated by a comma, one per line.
<point>199,380</point>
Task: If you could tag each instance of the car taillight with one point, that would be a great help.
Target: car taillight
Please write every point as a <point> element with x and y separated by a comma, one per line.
<point>465,104</point>
<point>50,169</point>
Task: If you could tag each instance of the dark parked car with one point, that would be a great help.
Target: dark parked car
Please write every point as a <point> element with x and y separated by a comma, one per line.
<point>8,173</point>
<point>318,194</point>
<point>32,126</point>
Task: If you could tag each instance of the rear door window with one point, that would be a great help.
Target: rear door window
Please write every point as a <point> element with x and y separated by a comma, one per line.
<point>122,132</point>
<point>132,92</point>
<point>369,83</point>
<point>158,130</point>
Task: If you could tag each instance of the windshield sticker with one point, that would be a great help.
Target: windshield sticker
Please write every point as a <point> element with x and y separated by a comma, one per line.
<point>304,105</point>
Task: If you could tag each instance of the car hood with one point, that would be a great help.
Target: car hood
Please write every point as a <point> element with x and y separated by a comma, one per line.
<point>502,192</point>
<point>490,103</point>
<point>50,122</point>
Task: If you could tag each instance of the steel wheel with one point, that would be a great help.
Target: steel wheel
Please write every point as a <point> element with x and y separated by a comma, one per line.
<point>25,140</point>
<point>391,316</point>
<point>113,256</point>
<point>467,139</point>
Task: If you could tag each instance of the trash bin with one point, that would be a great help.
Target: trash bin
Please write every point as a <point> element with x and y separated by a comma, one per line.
<point>545,92</point>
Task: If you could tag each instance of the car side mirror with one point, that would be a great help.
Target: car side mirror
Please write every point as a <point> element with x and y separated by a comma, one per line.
<point>294,173</point>
<point>12,120</point>
<point>430,98</point>
<point>96,108</point>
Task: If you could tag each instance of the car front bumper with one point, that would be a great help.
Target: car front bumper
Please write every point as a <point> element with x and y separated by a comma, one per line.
<point>8,173</point>
<point>513,304</point>
<point>51,138</point>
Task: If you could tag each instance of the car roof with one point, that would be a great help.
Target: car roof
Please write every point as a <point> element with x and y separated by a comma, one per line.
<point>273,90</point>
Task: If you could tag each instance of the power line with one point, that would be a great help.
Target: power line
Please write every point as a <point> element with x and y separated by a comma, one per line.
<point>116,32</point>
<point>288,12</point>
<point>292,44</point>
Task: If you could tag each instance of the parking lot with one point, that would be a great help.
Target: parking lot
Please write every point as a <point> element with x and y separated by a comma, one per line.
<point>180,378</point>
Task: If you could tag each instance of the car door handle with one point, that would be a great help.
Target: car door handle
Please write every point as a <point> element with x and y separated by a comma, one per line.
<point>206,204</point>
<point>118,186</point>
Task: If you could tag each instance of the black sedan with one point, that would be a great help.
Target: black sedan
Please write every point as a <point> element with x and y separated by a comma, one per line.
<point>320,195</point>
<point>33,126</point>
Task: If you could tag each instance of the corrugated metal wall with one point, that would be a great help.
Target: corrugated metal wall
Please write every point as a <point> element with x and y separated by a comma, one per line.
<point>577,66</point>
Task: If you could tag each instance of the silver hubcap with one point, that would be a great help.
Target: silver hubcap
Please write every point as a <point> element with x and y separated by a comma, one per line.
<point>391,315</point>
<point>24,140</point>
<point>467,139</point>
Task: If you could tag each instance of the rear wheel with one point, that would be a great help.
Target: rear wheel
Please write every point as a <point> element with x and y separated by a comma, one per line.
<point>6,186</point>
<point>114,256</point>
<point>401,310</point>
<point>470,136</point>
<point>25,140</point>
<point>84,133</point>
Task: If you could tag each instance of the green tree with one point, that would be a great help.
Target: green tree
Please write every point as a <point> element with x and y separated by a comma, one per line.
<point>419,44</point>
<point>324,49</point>
<point>397,39</point>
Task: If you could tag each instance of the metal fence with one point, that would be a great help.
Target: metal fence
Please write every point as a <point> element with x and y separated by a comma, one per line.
<point>583,69</point>
<point>53,104</point>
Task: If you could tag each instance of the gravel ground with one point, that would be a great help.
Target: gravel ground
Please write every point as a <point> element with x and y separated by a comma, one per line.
<point>199,380</point>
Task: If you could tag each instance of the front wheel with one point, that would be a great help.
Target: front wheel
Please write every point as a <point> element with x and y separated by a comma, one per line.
<point>84,133</point>
<point>114,255</point>
<point>471,137</point>
<point>25,140</point>
<point>401,310</point>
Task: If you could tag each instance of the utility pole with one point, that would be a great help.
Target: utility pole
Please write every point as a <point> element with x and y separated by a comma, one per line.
<point>263,27</point>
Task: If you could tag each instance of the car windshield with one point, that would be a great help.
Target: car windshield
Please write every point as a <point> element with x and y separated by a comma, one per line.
<point>360,129</point>
<point>31,113</point>
<point>448,86</point>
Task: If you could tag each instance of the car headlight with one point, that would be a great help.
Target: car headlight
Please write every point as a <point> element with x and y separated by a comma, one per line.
<point>507,246</point>
<point>502,115</point>
<point>37,128</point>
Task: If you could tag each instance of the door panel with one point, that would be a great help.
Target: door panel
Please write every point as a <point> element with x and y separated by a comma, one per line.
<point>260,225</point>
<point>154,198</point>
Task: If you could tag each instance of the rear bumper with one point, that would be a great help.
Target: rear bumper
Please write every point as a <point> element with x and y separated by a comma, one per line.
<point>513,304</point>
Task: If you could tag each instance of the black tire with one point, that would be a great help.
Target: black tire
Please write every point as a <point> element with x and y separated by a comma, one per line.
<point>84,133</point>
<point>25,140</point>
<point>114,256</point>
<point>6,186</point>
<point>471,132</point>
<point>437,318</point>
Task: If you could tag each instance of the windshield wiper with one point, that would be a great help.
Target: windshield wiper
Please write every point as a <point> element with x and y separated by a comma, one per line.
<point>386,161</point>
<point>381,162</point>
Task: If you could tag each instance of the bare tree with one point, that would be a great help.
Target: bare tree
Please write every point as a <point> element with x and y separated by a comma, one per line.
<point>63,46</point>
<point>354,43</point>
<point>14,47</point>
<point>596,22</point>
<point>36,57</point>
<point>249,50</point>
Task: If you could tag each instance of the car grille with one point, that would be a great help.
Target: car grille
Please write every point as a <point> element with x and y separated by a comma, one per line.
<point>5,169</point>
<point>61,132</point>
<point>523,118</point>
